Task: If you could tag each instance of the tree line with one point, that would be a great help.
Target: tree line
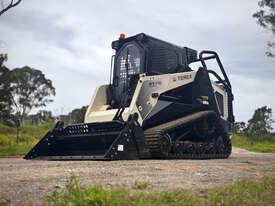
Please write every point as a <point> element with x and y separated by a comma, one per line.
<point>259,126</point>
<point>73,117</point>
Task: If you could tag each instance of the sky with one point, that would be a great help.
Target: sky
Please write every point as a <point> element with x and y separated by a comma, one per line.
<point>70,41</point>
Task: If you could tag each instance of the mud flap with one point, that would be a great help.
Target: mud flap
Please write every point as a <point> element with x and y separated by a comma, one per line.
<point>112,140</point>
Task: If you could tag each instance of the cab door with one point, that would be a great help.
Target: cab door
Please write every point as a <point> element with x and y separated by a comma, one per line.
<point>126,72</point>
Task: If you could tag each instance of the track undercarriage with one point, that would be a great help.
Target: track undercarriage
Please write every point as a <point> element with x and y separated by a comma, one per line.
<point>197,136</point>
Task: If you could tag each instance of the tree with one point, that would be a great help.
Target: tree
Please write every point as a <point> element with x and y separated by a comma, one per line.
<point>239,127</point>
<point>266,18</point>
<point>40,117</point>
<point>3,58</point>
<point>8,5</point>
<point>77,115</point>
<point>260,125</point>
<point>74,117</point>
<point>29,89</point>
<point>5,95</point>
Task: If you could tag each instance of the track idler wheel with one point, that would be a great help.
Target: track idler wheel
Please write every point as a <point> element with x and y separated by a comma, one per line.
<point>165,144</point>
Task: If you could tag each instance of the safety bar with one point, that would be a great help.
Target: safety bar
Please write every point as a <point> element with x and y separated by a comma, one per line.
<point>214,55</point>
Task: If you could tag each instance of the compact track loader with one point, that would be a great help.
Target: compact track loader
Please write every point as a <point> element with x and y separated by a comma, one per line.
<point>155,106</point>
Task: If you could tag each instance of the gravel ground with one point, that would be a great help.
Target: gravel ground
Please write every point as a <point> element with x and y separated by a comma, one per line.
<point>25,182</point>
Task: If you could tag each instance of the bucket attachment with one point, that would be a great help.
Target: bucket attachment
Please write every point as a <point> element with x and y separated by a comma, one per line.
<point>111,140</point>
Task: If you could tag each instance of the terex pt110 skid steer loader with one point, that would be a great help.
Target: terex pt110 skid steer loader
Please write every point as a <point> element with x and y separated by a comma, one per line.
<point>155,106</point>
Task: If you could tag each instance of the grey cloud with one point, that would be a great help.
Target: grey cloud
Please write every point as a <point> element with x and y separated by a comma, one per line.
<point>43,28</point>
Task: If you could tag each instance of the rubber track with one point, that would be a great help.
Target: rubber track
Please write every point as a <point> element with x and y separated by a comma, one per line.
<point>152,137</point>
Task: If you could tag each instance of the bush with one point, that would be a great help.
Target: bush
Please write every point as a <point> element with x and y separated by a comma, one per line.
<point>252,144</point>
<point>29,136</point>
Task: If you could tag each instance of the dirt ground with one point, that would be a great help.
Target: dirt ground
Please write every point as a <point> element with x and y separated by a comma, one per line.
<point>25,182</point>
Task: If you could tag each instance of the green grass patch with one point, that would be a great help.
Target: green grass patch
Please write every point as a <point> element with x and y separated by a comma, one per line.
<point>244,192</point>
<point>29,135</point>
<point>140,185</point>
<point>251,144</point>
<point>103,196</point>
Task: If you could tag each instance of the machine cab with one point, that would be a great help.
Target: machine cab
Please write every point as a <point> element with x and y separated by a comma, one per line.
<point>143,54</point>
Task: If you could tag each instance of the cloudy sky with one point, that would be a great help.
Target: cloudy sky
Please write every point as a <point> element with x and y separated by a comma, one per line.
<point>70,42</point>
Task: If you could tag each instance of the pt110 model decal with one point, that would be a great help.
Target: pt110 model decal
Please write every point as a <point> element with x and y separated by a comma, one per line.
<point>155,83</point>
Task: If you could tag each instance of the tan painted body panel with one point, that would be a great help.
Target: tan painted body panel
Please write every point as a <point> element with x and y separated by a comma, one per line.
<point>222,91</point>
<point>99,111</point>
